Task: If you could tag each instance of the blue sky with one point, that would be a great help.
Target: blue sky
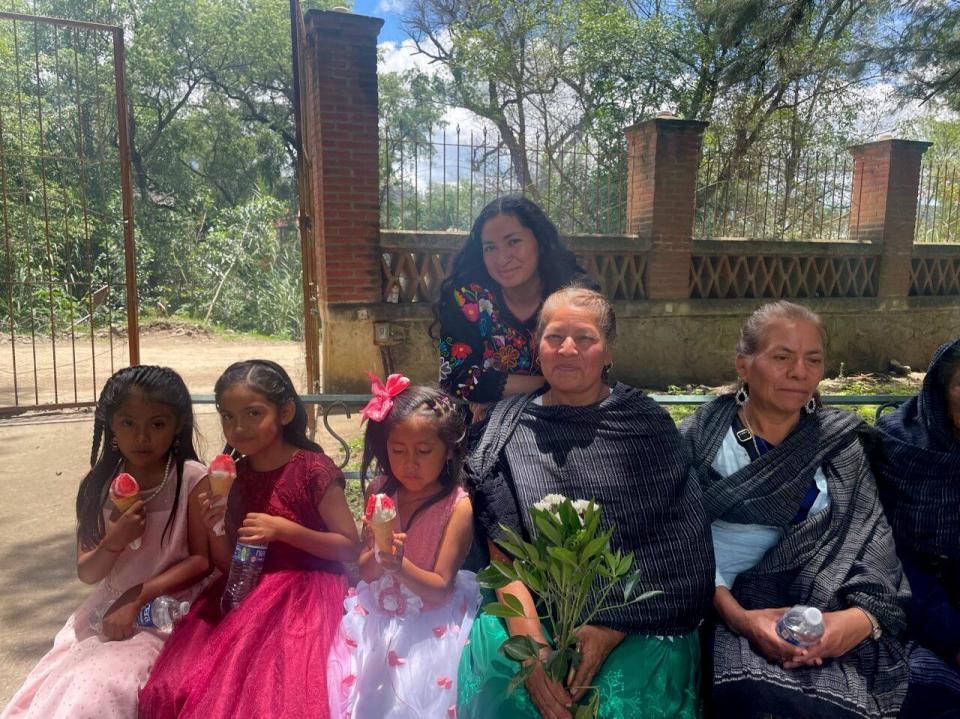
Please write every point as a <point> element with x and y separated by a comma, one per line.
<point>390,11</point>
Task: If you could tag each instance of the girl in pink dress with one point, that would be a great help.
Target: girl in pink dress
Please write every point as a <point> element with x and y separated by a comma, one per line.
<point>263,659</point>
<point>145,421</point>
<point>400,640</point>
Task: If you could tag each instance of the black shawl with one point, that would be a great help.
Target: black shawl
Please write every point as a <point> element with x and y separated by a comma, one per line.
<point>841,557</point>
<point>624,453</point>
<point>918,469</point>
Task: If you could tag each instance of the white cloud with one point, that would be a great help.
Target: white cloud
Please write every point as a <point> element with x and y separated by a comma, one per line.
<point>388,6</point>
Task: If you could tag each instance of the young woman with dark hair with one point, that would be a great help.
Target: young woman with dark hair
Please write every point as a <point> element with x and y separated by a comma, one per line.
<point>489,304</point>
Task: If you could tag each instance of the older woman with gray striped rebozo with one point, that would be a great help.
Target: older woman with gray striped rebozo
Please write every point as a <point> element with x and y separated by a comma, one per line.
<point>796,521</point>
<point>582,438</point>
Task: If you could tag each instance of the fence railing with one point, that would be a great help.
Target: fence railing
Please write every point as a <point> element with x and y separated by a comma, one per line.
<point>935,270</point>
<point>413,264</point>
<point>771,197</point>
<point>938,203</point>
<point>441,179</point>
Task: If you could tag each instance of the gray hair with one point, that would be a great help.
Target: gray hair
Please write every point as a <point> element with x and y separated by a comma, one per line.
<point>583,298</point>
<point>754,329</point>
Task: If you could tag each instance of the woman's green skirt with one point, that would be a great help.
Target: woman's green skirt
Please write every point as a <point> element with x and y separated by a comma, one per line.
<point>643,678</point>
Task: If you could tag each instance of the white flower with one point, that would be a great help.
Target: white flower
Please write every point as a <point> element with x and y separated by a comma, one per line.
<point>485,305</point>
<point>548,503</point>
<point>581,505</point>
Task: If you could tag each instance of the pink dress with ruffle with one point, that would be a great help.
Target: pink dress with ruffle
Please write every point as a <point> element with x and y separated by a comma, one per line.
<point>267,657</point>
<point>394,655</point>
<point>84,677</point>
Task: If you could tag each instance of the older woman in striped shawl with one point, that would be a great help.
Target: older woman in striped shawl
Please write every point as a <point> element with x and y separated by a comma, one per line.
<point>582,438</point>
<point>796,520</point>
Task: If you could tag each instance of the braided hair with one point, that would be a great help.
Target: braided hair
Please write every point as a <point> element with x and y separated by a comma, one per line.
<point>157,384</point>
<point>423,402</point>
<point>272,381</point>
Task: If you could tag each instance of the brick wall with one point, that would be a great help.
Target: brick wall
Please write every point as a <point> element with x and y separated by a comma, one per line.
<point>883,211</point>
<point>342,52</point>
<point>662,159</point>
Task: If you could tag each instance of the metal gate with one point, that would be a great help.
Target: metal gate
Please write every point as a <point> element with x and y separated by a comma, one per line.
<point>68,293</point>
<point>305,135</point>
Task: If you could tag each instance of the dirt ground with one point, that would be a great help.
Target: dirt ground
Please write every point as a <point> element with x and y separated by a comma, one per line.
<point>44,455</point>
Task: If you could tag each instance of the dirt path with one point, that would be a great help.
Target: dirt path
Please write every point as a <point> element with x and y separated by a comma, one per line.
<point>43,457</point>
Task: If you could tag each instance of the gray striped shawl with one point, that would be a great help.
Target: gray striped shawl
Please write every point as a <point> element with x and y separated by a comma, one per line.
<point>625,453</point>
<point>838,558</point>
<point>918,469</point>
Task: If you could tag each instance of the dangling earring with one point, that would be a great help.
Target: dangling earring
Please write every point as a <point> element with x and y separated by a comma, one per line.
<point>811,406</point>
<point>742,395</point>
<point>605,373</point>
<point>115,444</point>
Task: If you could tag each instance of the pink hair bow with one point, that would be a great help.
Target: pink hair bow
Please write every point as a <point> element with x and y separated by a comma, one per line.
<point>381,403</point>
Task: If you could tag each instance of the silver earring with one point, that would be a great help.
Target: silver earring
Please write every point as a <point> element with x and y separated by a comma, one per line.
<point>742,395</point>
<point>811,406</point>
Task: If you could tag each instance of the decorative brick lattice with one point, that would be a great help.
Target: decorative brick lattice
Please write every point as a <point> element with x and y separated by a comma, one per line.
<point>723,276</point>
<point>413,275</point>
<point>621,276</point>
<point>935,276</point>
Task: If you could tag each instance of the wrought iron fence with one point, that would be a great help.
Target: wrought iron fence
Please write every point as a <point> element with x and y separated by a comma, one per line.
<point>441,179</point>
<point>938,204</point>
<point>66,211</point>
<point>772,197</point>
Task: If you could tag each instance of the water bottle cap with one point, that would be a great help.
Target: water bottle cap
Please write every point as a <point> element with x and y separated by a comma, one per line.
<point>812,615</point>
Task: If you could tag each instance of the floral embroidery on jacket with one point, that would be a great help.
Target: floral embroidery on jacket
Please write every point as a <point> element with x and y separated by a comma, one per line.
<point>501,346</point>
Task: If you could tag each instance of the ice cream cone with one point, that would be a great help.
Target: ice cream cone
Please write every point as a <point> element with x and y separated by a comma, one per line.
<point>123,503</point>
<point>124,492</point>
<point>383,534</point>
<point>381,515</point>
<point>223,471</point>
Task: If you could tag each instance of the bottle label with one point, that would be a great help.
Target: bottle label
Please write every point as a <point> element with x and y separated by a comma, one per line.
<point>254,554</point>
<point>143,617</point>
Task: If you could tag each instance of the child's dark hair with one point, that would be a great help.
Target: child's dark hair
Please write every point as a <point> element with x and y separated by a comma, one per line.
<point>272,381</point>
<point>157,384</point>
<point>425,402</point>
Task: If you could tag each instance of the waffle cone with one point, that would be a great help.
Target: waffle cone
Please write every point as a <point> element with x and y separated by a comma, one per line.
<point>124,503</point>
<point>220,485</point>
<point>383,534</point>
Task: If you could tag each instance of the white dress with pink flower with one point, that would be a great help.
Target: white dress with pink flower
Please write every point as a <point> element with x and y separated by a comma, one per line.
<point>395,657</point>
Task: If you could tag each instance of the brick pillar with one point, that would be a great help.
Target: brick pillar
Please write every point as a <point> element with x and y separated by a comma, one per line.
<point>883,208</point>
<point>662,159</point>
<point>344,163</point>
<point>342,149</point>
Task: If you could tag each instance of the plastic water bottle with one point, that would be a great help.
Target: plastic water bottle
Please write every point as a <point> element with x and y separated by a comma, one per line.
<point>245,571</point>
<point>801,626</point>
<point>162,613</point>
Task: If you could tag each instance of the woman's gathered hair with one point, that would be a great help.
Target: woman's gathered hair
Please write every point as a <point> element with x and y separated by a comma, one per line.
<point>754,329</point>
<point>269,379</point>
<point>581,297</point>
<point>424,402</point>
<point>556,263</point>
<point>157,384</point>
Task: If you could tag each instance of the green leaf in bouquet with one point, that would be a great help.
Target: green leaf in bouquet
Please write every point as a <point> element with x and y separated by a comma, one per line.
<point>590,709</point>
<point>564,555</point>
<point>630,585</point>
<point>569,517</point>
<point>558,665</point>
<point>594,546</point>
<point>520,677</point>
<point>547,528</point>
<point>521,647</point>
<point>530,577</point>
<point>502,610</point>
<point>625,564</point>
<point>492,578</point>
